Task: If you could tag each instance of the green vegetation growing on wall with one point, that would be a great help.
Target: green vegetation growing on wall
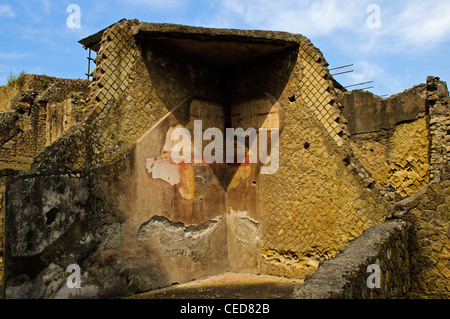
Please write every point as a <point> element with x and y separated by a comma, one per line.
<point>17,80</point>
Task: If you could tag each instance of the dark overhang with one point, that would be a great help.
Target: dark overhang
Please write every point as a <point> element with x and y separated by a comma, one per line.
<point>215,47</point>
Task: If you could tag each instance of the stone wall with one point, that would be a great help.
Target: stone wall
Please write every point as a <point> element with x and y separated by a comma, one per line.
<point>2,229</point>
<point>7,93</point>
<point>439,108</point>
<point>402,156</point>
<point>319,200</point>
<point>106,195</point>
<point>427,214</point>
<point>32,117</point>
<point>126,100</point>
<point>110,222</point>
<point>391,137</point>
<point>347,275</point>
<point>139,84</point>
<point>37,115</point>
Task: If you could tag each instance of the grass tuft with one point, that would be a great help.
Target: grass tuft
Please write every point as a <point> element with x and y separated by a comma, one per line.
<point>17,80</point>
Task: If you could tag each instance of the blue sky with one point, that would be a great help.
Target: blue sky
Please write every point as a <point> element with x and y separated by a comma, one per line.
<point>410,40</point>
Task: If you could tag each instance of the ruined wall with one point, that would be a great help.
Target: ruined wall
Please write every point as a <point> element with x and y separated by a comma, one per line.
<point>346,276</point>
<point>131,226</point>
<point>391,137</point>
<point>184,199</point>
<point>107,195</point>
<point>7,93</point>
<point>31,117</point>
<point>23,134</point>
<point>439,108</point>
<point>243,210</point>
<point>39,113</point>
<point>403,155</point>
<point>427,217</point>
<point>181,236</point>
<point>134,85</point>
<point>2,229</point>
<point>61,116</point>
<point>284,224</point>
<point>318,201</point>
<point>430,226</point>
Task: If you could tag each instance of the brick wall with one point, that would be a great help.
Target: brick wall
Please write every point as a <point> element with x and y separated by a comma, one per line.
<point>7,93</point>
<point>37,115</point>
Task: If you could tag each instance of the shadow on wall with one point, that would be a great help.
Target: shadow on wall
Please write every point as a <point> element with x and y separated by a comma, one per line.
<point>93,219</point>
<point>227,72</point>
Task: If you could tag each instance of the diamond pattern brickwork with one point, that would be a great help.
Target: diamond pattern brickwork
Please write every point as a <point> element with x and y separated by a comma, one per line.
<point>315,205</point>
<point>400,159</point>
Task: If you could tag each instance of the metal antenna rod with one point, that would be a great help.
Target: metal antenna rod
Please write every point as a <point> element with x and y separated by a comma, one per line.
<point>341,67</point>
<point>348,86</point>
<point>342,72</point>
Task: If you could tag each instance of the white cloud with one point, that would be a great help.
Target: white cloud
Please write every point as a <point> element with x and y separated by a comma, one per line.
<point>318,18</point>
<point>423,23</point>
<point>413,24</point>
<point>6,11</point>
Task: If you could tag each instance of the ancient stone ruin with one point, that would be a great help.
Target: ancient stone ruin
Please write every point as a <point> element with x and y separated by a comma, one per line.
<point>87,177</point>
